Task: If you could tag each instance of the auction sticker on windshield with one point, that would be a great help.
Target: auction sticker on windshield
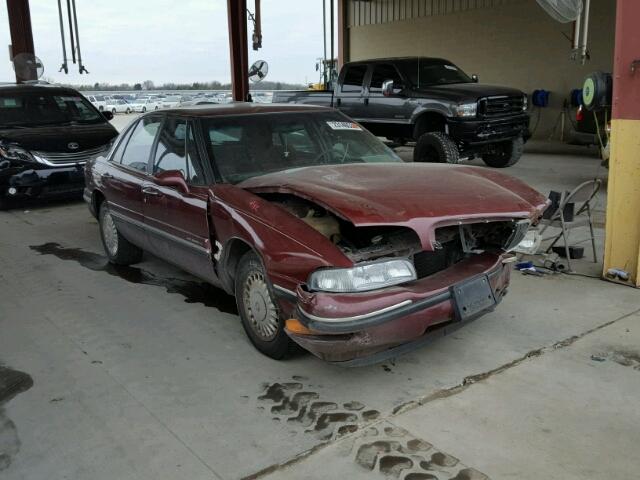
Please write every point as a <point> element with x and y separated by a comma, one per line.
<point>344,126</point>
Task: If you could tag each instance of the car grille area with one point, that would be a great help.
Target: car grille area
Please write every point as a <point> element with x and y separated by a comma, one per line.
<point>501,106</point>
<point>69,158</point>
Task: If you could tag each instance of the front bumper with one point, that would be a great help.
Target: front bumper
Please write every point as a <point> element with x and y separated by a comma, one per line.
<point>481,132</point>
<point>374,326</point>
<point>31,181</point>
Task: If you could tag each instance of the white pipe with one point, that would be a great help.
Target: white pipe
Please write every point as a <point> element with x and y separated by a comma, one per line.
<point>576,32</point>
<point>585,30</point>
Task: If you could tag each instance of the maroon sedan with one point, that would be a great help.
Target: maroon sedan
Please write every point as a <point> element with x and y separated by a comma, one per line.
<point>321,232</point>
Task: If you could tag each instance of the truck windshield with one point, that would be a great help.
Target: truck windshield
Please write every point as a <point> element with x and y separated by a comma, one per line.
<point>33,109</point>
<point>246,146</point>
<point>427,72</point>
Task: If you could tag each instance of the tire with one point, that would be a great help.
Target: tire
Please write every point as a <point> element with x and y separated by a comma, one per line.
<point>435,147</point>
<point>128,111</point>
<point>144,109</point>
<point>114,111</point>
<point>505,154</point>
<point>258,308</point>
<point>4,205</point>
<point>118,249</point>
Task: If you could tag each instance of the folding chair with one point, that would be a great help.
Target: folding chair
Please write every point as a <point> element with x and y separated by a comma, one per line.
<point>584,193</point>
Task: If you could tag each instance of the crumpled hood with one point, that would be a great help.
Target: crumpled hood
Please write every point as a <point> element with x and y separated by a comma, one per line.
<point>417,195</point>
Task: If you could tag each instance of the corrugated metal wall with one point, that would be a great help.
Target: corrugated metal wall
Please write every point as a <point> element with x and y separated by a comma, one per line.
<point>371,12</point>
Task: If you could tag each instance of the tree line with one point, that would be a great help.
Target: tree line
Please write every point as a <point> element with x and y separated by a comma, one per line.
<point>213,85</point>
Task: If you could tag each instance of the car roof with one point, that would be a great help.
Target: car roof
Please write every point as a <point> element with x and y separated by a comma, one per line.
<point>242,108</point>
<point>397,59</point>
<point>32,88</point>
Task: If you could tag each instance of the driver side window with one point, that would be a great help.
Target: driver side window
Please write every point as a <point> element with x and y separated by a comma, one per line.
<point>136,152</point>
<point>177,150</point>
<point>170,152</point>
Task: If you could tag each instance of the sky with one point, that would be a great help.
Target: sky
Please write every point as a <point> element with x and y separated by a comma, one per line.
<point>184,41</point>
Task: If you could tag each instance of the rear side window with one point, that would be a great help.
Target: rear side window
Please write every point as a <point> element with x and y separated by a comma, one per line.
<point>354,78</point>
<point>136,153</point>
<point>384,72</point>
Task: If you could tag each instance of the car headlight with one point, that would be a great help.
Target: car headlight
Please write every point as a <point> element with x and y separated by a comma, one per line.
<point>362,278</point>
<point>525,103</point>
<point>467,109</point>
<point>530,243</point>
<point>13,152</point>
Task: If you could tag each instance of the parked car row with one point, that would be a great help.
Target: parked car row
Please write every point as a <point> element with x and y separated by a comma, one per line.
<point>146,101</point>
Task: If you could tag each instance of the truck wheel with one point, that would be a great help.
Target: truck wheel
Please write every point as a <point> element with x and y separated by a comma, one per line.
<point>435,147</point>
<point>118,249</point>
<point>505,154</point>
<point>258,308</point>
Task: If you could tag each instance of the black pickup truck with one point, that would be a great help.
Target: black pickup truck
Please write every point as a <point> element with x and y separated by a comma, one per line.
<point>430,100</point>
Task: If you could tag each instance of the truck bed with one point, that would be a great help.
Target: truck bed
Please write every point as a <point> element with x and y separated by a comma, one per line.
<point>310,97</point>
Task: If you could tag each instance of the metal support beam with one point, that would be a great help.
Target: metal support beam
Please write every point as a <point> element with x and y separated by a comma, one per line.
<point>343,33</point>
<point>20,30</point>
<point>237,16</point>
<point>622,246</point>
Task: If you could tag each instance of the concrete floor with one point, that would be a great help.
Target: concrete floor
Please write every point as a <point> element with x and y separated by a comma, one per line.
<point>145,374</point>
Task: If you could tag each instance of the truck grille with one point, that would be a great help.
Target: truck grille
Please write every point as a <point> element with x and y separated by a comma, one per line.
<point>70,158</point>
<point>500,106</point>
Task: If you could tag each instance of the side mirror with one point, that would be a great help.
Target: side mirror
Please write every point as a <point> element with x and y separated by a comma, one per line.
<point>172,178</point>
<point>108,114</point>
<point>387,88</point>
<point>474,78</point>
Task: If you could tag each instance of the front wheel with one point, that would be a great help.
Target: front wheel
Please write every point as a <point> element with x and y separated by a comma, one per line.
<point>258,308</point>
<point>435,147</point>
<point>118,249</point>
<point>505,154</point>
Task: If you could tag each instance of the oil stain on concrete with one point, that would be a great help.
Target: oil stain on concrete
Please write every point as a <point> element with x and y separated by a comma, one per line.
<point>303,409</point>
<point>394,452</point>
<point>12,382</point>
<point>193,291</point>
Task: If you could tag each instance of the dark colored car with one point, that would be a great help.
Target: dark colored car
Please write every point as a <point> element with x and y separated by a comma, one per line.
<point>431,101</point>
<point>47,134</point>
<point>320,231</point>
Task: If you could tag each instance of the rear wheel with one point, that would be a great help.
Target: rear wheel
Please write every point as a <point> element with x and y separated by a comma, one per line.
<point>118,249</point>
<point>435,147</point>
<point>505,154</point>
<point>258,308</point>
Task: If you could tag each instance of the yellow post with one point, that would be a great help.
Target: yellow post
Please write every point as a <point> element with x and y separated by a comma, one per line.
<point>622,245</point>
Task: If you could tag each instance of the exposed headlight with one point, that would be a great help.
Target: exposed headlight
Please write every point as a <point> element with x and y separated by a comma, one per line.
<point>13,152</point>
<point>519,232</point>
<point>530,243</point>
<point>525,103</point>
<point>362,278</point>
<point>467,109</point>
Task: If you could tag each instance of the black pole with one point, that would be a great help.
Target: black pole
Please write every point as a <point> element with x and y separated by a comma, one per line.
<point>73,43</point>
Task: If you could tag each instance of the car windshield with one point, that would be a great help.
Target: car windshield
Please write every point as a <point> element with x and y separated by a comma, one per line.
<point>426,72</point>
<point>246,146</point>
<point>32,109</point>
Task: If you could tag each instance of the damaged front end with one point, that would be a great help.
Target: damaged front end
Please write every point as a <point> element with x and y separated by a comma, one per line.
<point>24,174</point>
<point>398,294</point>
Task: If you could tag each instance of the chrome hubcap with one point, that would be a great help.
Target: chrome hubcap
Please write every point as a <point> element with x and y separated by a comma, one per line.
<point>262,312</point>
<point>110,234</point>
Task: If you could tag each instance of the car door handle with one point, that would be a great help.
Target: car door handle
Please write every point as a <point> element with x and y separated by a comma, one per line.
<point>107,175</point>
<point>150,191</point>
